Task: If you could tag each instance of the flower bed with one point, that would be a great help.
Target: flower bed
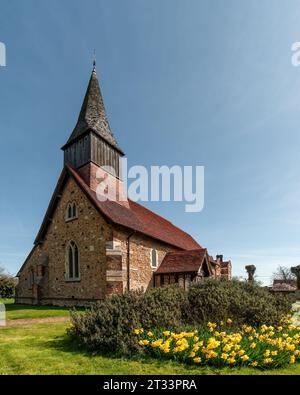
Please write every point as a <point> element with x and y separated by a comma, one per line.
<point>223,344</point>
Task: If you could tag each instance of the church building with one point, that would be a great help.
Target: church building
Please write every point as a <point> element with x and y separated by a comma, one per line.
<point>89,248</point>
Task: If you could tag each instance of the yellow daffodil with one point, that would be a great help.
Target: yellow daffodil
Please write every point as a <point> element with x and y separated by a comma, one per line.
<point>197,360</point>
<point>144,342</point>
<point>292,359</point>
<point>268,360</point>
<point>245,358</point>
<point>273,345</point>
<point>227,347</point>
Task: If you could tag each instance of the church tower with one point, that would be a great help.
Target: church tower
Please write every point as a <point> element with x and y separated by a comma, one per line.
<point>92,143</point>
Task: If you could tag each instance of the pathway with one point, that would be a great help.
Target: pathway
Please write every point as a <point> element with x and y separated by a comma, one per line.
<point>31,321</point>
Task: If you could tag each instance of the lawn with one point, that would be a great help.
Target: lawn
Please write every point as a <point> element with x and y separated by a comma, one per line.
<point>46,349</point>
<point>15,312</point>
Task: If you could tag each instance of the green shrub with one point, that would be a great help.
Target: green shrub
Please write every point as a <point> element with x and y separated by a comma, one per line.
<point>7,290</point>
<point>108,326</point>
<point>7,285</point>
<point>163,307</point>
<point>244,303</point>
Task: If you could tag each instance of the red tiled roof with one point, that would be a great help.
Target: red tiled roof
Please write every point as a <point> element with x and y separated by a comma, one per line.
<point>283,287</point>
<point>136,217</point>
<point>182,261</point>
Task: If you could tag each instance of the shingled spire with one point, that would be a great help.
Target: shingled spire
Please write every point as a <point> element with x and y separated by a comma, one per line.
<point>92,140</point>
<point>92,116</point>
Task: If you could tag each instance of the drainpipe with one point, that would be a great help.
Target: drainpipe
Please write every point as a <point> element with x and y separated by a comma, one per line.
<point>128,259</point>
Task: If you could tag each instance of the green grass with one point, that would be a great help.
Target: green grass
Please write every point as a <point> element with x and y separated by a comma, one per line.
<point>46,349</point>
<point>7,301</point>
<point>15,312</point>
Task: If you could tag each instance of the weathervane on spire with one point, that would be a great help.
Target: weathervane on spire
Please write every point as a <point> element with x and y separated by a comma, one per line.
<point>94,61</point>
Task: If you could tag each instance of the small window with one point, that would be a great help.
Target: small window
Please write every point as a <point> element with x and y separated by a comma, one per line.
<point>71,212</point>
<point>69,215</point>
<point>31,278</point>
<point>72,262</point>
<point>154,258</point>
<point>74,210</point>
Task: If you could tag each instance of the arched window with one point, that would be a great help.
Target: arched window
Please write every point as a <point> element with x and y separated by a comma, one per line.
<point>72,262</point>
<point>154,258</point>
<point>74,210</point>
<point>31,278</point>
<point>71,212</point>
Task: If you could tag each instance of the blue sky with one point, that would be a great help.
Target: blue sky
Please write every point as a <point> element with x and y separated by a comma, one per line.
<point>185,83</point>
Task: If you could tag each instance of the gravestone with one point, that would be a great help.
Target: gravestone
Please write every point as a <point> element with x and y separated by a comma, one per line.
<point>2,55</point>
<point>2,314</point>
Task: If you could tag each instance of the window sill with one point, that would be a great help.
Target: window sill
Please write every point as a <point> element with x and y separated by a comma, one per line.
<point>72,280</point>
<point>70,219</point>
